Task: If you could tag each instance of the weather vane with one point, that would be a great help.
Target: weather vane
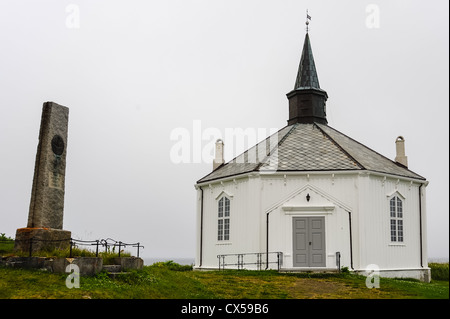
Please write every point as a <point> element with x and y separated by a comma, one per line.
<point>308,17</point>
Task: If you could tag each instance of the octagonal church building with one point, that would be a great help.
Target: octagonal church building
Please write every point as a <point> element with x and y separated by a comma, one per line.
<point>310,198</point>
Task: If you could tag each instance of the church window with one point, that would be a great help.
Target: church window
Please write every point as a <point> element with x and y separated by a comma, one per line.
<point>223,225</point>
<point>396,215</point>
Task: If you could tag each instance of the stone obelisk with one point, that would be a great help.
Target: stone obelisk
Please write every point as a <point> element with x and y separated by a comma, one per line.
<point>45,217</point>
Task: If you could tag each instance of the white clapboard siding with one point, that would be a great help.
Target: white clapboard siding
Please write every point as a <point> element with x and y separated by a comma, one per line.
<point>336,196</point>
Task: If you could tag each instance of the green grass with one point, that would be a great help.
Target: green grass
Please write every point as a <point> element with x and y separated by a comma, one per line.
<point>439,271</point>
<point>6,244</point>
<point>169,280</point>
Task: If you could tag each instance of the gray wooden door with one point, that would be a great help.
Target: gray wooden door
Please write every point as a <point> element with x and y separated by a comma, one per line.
<point>309,241</point>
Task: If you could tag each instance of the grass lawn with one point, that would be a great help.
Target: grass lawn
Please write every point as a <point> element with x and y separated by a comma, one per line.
<point>172,281</point>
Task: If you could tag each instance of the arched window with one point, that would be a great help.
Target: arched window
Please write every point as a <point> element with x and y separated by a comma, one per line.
<point>396,215</point>
<point>223,225</point>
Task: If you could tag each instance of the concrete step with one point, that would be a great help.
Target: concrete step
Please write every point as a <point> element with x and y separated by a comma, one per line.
<point>114,271</point>
<point>310,270</point>
<point>112,268</point>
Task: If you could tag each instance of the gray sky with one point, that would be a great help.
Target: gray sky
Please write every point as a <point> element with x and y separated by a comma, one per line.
<point>131,72</point>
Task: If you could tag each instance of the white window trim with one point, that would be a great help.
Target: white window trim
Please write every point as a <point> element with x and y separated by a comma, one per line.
<point>397,195</point>
<point>224,194</point>
<point>223,241</point>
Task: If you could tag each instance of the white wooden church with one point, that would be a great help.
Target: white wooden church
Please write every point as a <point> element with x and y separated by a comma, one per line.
<point>310,198</point>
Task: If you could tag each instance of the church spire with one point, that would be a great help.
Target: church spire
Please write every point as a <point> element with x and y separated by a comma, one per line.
<point>307,74</point>
<point>307,100</point>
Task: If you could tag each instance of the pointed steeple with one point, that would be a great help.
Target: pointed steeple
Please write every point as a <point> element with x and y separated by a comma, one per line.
<point>307,74</point>
<point>307,100</point>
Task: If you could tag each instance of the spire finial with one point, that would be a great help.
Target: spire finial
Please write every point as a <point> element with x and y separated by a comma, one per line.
<point>308,17</point>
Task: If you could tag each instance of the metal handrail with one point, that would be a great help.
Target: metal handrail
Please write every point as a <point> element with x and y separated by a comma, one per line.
<point>260,261</point>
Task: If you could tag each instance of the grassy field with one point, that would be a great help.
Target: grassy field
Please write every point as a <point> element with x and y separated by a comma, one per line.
<point>171,281</point>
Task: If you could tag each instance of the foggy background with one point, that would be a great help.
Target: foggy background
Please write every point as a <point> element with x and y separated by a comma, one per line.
<point>133,71</point>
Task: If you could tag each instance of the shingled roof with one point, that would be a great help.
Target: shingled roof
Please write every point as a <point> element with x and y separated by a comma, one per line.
<point>307,74</point>
<point>309,147</point>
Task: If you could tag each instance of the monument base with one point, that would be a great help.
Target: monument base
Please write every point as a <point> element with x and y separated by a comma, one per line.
<point>38,239</point>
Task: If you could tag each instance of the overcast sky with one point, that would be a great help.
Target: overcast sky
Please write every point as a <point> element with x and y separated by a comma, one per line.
<point>132,72</point>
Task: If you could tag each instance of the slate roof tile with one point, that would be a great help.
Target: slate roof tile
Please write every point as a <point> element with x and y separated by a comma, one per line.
<point>308,147</point>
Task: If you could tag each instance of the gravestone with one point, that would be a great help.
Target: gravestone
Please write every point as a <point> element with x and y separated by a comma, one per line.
<point>45,217</point>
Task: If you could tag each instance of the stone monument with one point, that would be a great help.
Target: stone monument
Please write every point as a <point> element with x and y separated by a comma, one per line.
<point>45,218</point>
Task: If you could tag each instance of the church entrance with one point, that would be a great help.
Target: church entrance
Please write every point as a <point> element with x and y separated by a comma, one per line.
<point>308,241</point>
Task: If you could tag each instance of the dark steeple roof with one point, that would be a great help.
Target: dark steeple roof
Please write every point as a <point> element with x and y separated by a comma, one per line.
<point>307,100</point>
<point>307,74</point>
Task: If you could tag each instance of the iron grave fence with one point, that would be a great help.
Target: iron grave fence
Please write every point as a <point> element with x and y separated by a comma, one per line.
<point>108,244</point>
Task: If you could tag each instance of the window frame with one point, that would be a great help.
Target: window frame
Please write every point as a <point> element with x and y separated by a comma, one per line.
<point>396,219</point>
<point>223,219</point>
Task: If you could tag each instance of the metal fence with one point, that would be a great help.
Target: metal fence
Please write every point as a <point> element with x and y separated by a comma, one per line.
<point>107,244</point>
<point>258,261</point>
